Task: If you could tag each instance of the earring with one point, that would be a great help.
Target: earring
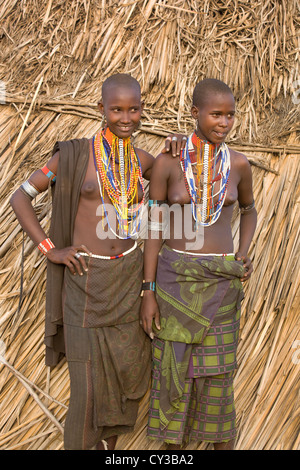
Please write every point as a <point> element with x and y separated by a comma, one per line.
<point>103,122</point>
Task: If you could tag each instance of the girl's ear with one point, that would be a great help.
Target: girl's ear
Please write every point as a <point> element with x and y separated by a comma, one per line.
<point>101,107</point>
<point>194,112</point>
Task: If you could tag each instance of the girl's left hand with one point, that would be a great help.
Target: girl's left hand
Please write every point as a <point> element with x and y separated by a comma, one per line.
<point>248,267</point>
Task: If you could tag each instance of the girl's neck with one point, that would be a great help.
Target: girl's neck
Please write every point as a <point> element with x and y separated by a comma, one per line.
<point>110,136</point>
<point>196,140</point>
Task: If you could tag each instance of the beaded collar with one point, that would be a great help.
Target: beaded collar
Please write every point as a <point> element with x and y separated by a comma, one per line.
<point>206,174</point>
<point>121,185</point>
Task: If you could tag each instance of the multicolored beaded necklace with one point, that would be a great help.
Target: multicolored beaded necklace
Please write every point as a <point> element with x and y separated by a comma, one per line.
<point>122,190</point>
<point>210,180</point>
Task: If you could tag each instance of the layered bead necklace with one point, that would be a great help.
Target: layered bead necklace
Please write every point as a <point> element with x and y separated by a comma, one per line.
<point>122,190</point>
<point>207,185</point>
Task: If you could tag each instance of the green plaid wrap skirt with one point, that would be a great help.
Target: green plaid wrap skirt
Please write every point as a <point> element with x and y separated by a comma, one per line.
<point>194,353</point>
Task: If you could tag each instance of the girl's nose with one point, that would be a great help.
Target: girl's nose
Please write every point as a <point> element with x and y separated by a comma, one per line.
<point>223,121</point>
<point>125,117</point>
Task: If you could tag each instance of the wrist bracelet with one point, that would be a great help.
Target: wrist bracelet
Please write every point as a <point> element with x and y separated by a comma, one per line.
<point>45,245</point>
<point>148,286</point>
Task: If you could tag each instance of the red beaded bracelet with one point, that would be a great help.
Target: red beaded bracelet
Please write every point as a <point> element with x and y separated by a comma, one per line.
<point>46,245</point>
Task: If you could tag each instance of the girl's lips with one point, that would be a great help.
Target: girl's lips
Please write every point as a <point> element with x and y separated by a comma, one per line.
<point>126,129</point>
<point>220,134</point>
<point>123,131</point>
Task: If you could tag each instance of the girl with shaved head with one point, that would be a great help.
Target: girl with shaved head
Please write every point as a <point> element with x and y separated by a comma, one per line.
<point>94,267</point>
<point>192,300</point>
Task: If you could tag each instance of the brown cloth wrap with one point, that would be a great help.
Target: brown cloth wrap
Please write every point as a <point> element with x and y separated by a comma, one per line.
<point>102,309</point>
<point>73,160</point>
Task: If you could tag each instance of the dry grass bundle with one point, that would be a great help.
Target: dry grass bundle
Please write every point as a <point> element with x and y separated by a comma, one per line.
<point>73,45</point>
<point>56,55</point>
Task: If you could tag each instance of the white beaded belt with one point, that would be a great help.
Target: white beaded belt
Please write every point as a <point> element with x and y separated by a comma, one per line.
<point>202,254</point>
<point>109,257</point>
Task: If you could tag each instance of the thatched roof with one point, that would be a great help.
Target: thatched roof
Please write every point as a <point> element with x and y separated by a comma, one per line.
<point>54,56</point>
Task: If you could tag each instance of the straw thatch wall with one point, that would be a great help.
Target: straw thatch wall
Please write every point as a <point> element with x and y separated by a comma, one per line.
<point>54,56</point>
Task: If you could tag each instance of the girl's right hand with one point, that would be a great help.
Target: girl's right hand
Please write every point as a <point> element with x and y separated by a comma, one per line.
<point>149,312</point>
<point>70,257</point>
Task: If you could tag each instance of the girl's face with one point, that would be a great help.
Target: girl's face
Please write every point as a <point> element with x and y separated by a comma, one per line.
<point>122,108</point>
<point>215,117</point>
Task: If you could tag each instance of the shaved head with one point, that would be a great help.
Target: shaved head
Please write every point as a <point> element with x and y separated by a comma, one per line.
<point>121,104</point>
<point>120,80</point>
<point>206,87</point>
